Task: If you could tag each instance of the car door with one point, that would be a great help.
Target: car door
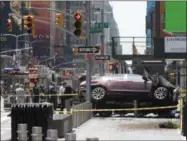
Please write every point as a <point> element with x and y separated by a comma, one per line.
<point>137,84</point>
<point>117,84</point>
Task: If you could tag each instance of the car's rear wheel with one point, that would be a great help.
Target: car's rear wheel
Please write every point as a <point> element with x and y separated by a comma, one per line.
<point>161,93</point>
<point>98,93</point>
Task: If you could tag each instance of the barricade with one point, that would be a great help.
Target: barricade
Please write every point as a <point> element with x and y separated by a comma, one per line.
<point>80,117</point>
<point>32,115</point>
<point>184,121</point>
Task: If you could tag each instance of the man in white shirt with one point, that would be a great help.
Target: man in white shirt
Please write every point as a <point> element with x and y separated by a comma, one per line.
<point>20,94</point>
<point>60,92</point>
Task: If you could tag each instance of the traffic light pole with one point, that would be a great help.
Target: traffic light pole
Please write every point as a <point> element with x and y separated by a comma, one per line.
<point>88,63</point>
<point>102,42</point>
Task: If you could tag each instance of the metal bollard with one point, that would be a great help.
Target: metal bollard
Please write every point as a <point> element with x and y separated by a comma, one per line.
<point>92,139</point>
<point>22,132</point>
<point>70,137</point>
<point>52,135</point>
<point>135,107</point>
<point>37,133</point>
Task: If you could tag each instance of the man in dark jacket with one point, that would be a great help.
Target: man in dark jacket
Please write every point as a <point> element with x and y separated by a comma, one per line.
<point>53,97</point>
<point>36,93</point>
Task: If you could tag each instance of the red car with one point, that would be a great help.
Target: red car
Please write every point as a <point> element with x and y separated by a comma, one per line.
<point>118,89</point>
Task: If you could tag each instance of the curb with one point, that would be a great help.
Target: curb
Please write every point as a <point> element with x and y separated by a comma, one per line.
<point>182,137</point>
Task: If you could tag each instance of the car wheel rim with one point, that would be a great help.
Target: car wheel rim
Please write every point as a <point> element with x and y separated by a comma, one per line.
<point>98,93</point>
<point>160,93</point>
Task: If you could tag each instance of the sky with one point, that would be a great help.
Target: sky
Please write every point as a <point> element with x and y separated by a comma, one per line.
<point>130,17</point>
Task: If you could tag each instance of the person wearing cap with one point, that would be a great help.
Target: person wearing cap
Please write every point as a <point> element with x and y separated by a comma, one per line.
<point>36,92</point>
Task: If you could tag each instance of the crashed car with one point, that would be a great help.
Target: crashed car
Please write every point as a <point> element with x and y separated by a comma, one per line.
<point>152,90</point>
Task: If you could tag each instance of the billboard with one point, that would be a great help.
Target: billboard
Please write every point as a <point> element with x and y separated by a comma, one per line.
<point>175,16</point>
<point>42,37</point>
<point>14,10</point>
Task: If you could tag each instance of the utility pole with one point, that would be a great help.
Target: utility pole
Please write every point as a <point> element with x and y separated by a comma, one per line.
<point>102,41</point>
<point>88,43</point>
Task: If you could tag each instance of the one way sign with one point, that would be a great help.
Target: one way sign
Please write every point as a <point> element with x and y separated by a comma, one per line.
<point>102,57</point>
<point>89,49</point>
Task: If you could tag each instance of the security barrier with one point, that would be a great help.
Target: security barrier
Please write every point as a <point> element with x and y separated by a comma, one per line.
<point>184,121</point>
<point>32,115</point>
<point>113,110</point>
<point>81,117</point>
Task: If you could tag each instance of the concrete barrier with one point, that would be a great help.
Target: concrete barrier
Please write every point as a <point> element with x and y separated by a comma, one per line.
<point>37,134</point>
<point>52,135</point>
<point>22,132</point>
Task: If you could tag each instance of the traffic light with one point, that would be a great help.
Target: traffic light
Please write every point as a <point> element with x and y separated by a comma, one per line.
<point>75,52</point>
<point>78,24</point>
<point>59,19</point>
<point>29,22</point>
<point>9,25</point>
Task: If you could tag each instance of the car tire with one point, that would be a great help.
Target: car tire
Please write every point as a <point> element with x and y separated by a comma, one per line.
<point>98,93</point>
<point>161,93</point>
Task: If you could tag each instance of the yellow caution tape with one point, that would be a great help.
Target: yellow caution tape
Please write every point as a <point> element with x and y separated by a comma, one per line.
<point>112,110</point>
<point>47,95</point>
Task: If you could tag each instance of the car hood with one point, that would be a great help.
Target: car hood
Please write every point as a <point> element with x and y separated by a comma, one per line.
<point>166,83</point>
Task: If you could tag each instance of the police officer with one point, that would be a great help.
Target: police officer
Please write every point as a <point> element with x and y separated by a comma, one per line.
<point>36,92</point>
<point>53,97</point>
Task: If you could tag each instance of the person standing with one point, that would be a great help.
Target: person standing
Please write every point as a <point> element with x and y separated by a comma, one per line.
<point>36,93</point>
<point>20,93</point>
<point>53,97</point>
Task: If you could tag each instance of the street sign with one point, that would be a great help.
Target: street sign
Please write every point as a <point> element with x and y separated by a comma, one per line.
<point>95,30</point>
<point>89,49</point>
<point>102,57</point>
<point>101,25</point>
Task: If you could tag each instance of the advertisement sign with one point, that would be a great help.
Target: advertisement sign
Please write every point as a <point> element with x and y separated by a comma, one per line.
<point>175,18</point>
<point>41,49</point>
<point>175,44</point>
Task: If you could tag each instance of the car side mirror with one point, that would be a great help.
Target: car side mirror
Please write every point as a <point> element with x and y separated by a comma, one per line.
<point>144,78</point>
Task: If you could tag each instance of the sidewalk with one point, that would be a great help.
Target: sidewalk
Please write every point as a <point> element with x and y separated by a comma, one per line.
<point>4,117</point>
<point>126,129</point>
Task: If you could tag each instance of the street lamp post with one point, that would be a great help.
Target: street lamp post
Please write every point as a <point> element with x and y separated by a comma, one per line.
<point>17,37</point>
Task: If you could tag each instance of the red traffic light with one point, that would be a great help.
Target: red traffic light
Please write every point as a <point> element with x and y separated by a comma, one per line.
<point>77,16</point>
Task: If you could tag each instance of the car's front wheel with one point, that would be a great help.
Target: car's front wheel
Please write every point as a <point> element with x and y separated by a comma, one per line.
<point>161,93</point>
<point>98,93</point>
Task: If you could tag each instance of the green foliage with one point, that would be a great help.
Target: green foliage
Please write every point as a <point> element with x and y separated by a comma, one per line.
<point>169,125</point>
